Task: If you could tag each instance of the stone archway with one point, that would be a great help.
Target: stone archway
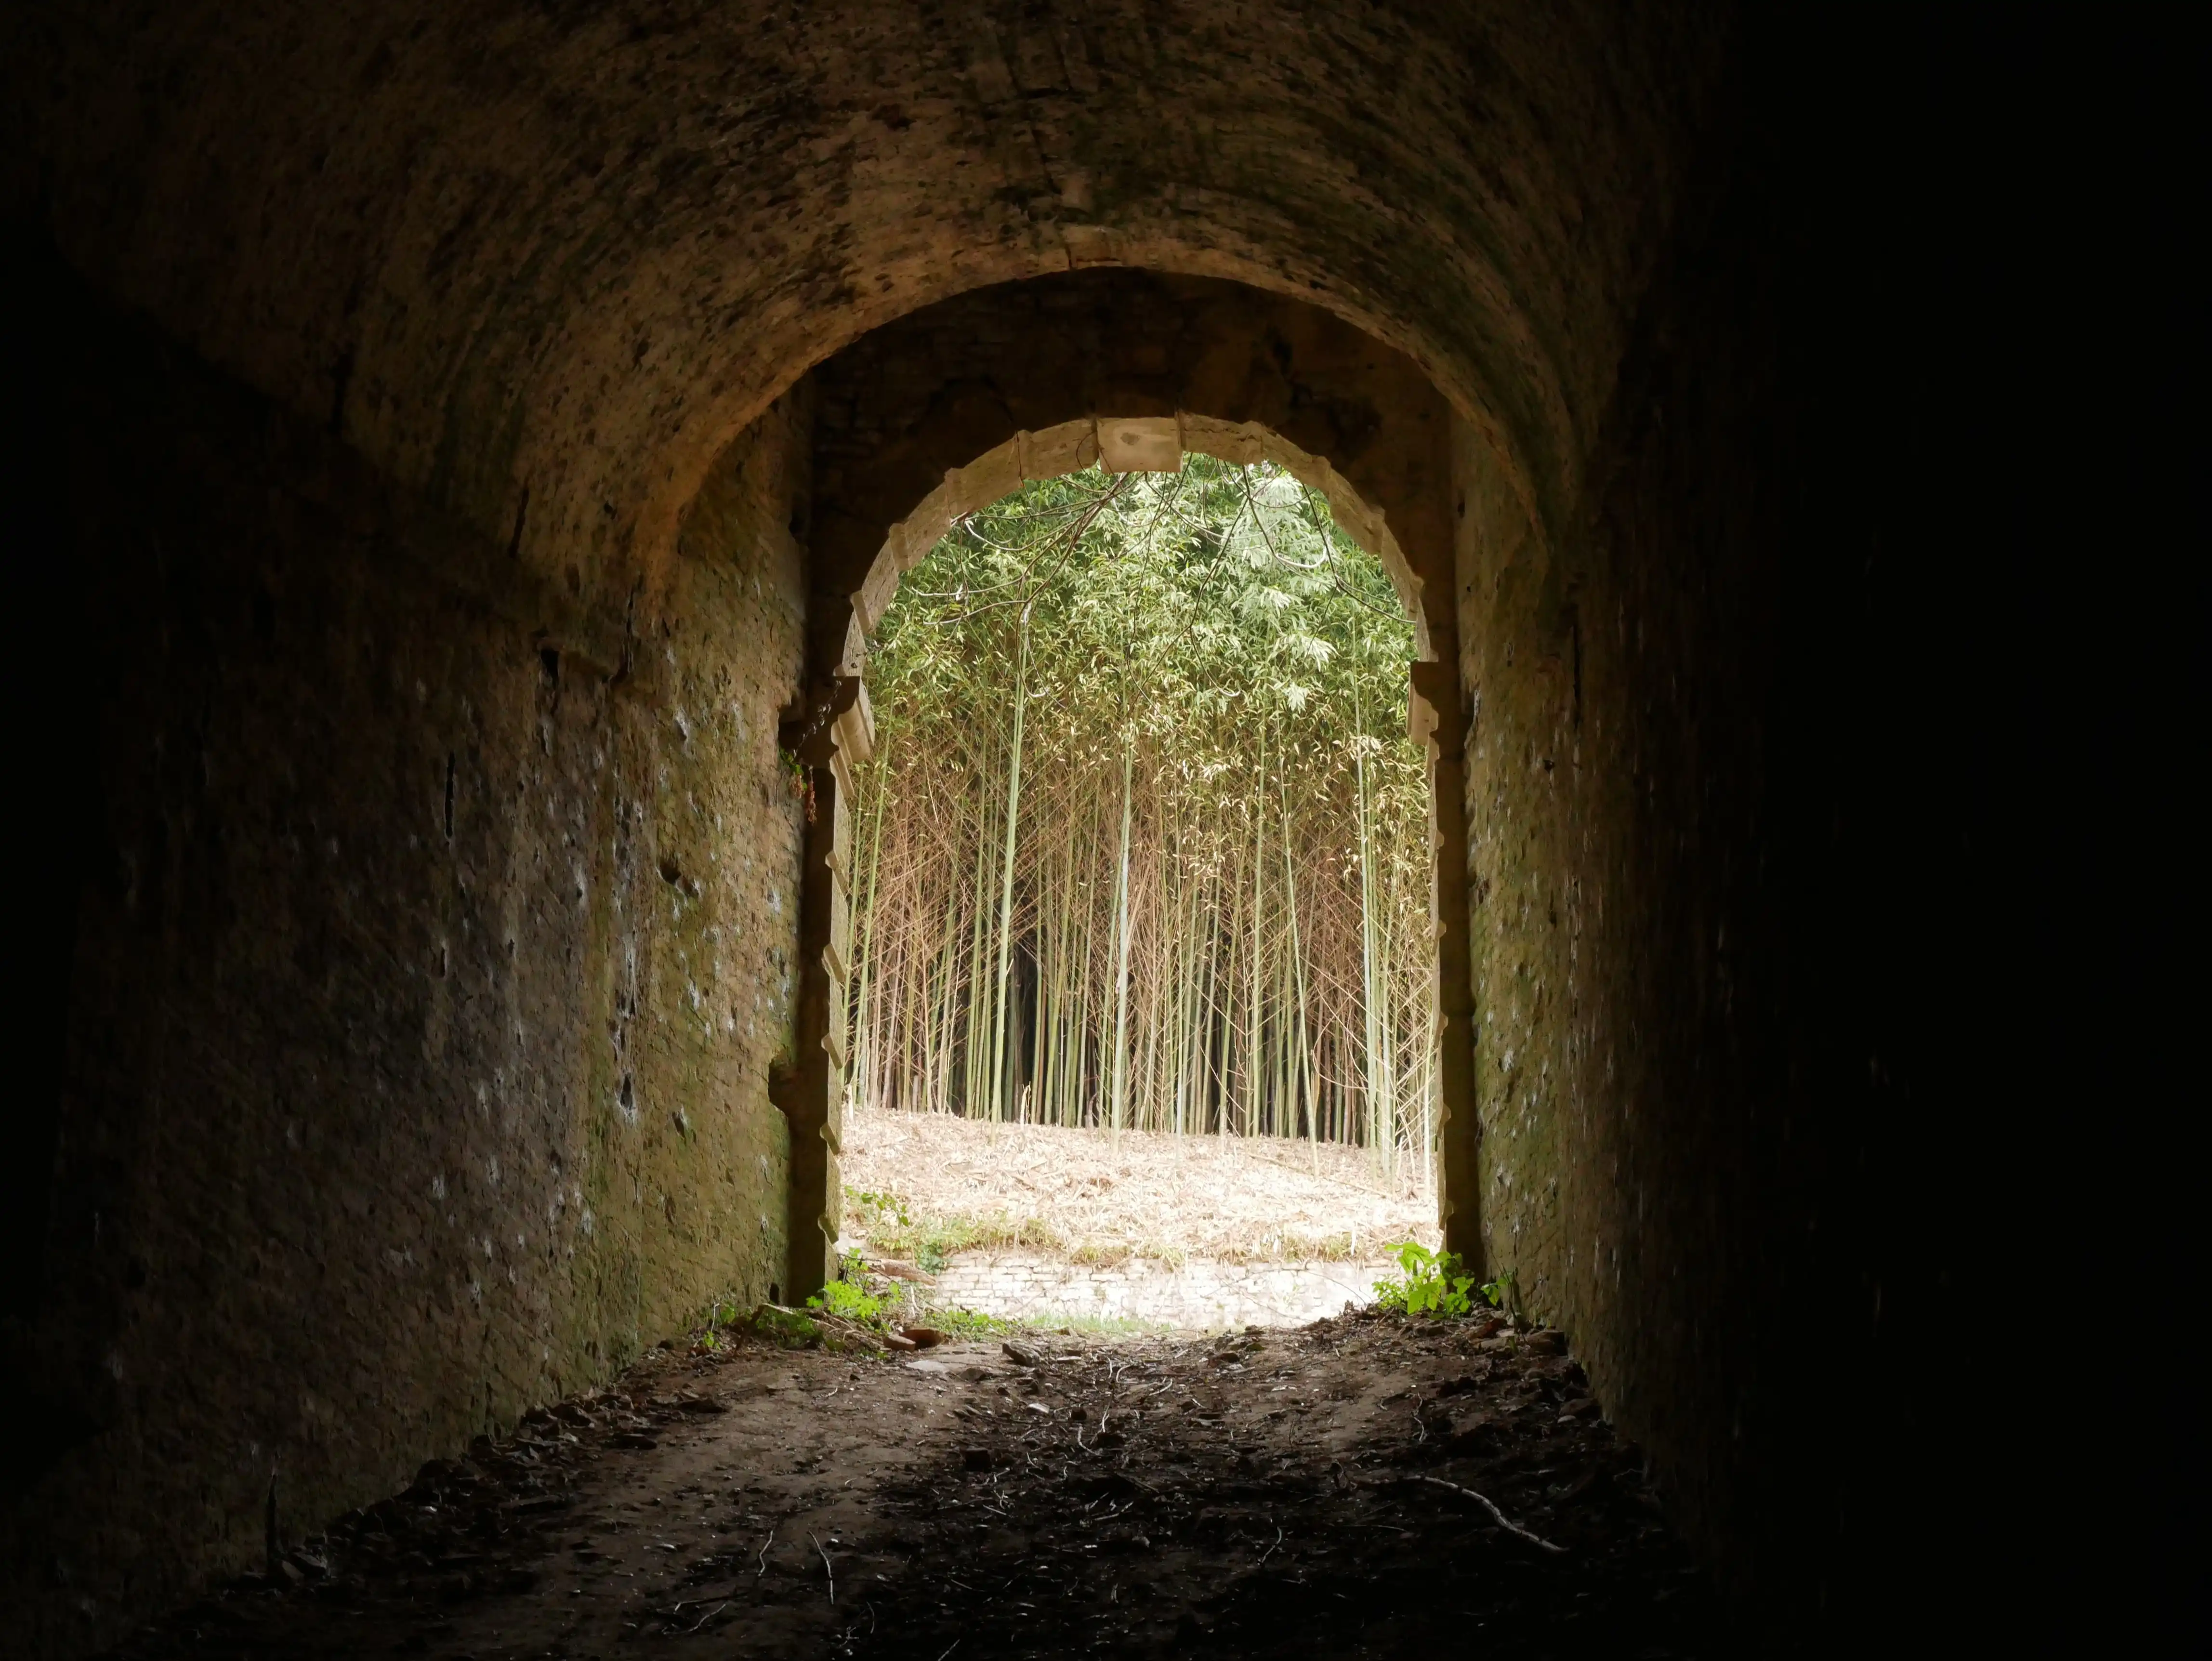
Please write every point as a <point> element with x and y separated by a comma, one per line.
<point>954,406</point>
<point>384,360</point>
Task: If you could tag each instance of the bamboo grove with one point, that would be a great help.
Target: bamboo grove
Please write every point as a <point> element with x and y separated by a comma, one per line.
<point>1143,842</point>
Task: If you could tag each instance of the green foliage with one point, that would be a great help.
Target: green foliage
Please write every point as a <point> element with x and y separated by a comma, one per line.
<point>847,1295</point>
<point>787,1327</point>
<point>850,1300</point>
<point>889,1221</point>
<point>1176,608</point>
<point>876,1209</point>
<point>797,779</point>
<point>1431,1284</point>
<point>930,1240</point>
<point>721,1314</point>
<point>1145,736</point>
<point>968,1324</point>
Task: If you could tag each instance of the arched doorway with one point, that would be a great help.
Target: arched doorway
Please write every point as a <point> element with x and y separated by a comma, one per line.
<point>1143,969</point>
<point>958,404</point>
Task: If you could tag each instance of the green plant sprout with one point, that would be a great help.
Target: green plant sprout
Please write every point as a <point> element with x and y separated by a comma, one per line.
<point>878,1205</point>
<point>1432,1284</point>
<point>969,1323</point>
<point>787,1327</point>
<point>849,1301</point>
<point>848,1295</point>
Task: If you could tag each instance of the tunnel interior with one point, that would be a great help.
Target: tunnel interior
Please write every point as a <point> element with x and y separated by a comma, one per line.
<point>460,450</point>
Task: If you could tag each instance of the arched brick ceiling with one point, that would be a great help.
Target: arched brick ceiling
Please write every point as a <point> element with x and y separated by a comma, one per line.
<point>899,411</point>
<point>561,254</point>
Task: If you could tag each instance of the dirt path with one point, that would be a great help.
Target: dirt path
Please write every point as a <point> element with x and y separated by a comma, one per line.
<point>1305,1493</point>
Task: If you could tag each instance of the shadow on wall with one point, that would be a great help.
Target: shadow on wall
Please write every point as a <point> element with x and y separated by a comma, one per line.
<point>426,953</point>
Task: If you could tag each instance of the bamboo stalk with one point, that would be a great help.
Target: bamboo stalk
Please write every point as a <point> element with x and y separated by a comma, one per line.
<point>1038,938</point>
<point>1121,1087</point>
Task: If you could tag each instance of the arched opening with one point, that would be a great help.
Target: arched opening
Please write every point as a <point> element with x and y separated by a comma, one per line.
<point>458,455</point>
<point>1143,882</point>
<point>952,408</point>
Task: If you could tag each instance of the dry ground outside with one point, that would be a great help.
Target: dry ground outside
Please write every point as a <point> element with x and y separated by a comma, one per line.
<point>1366,1487</point>
<point>1038,1222</point>
<point>1096,1197</point>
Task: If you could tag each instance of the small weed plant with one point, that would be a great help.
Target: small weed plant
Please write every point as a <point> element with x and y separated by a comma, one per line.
<point>969,1324</point>
<point>1431,1284</point>
<point>848,1297</point>
<point>786,1327</point>
<point>878,1208</point>
<point>720,1314</point>
<point>852,1302</point>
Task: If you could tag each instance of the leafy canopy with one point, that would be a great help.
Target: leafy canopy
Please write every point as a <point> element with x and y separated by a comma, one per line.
<point>1169,608</point>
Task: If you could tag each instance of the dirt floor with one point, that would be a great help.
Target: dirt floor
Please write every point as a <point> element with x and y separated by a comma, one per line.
<point>1308,1492</point>
<point>1095,1196</point>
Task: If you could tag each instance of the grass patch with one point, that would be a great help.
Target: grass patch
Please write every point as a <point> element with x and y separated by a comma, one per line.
<point>967,1322</point>
<point>1283,1247</point>
<point>972,1323</point>
<point>895,1229</point>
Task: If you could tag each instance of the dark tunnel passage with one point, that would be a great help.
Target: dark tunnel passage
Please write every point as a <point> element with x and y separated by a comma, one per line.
<point>461,452</point>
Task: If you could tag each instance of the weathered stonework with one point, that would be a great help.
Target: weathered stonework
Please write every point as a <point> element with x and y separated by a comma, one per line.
<point>432,954</point>
<point>956,403</point>
<point>438,544</point>
<point>564,259</point>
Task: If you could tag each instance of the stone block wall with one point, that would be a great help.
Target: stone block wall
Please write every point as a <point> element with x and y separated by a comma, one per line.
<point>1704,824</point>
<point>427,942</point>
